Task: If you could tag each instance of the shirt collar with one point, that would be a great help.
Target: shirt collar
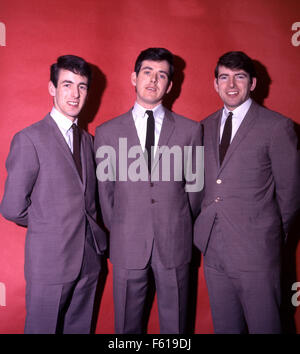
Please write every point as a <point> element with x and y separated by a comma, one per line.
<point>61,120</point>
<point>240,111</point>
<point>140,111</point>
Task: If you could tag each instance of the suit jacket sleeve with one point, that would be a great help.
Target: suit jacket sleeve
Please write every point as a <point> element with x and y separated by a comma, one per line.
<point>22,169</point>
<point>105,187</point>
<point>285,162</point>
<point>198,171</point>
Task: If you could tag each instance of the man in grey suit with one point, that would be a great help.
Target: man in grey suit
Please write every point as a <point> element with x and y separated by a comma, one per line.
<point>250,198</point>
<point>51,189</point>
<point>149,217</point>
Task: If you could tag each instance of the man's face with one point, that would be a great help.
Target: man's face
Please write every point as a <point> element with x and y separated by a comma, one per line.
<point>70,94</point>
<point>152,83</point>
<point>233,86</point>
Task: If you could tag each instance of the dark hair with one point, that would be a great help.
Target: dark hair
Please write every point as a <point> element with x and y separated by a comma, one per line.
<point>72,63</point>
<point>155,54</point>
<point>236,60</point>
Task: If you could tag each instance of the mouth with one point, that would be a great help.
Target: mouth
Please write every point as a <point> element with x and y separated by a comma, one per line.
<point>232,93</point>
<point>151,88</point>
<point>73,103</point>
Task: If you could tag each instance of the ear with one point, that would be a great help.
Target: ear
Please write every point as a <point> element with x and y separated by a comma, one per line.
<point>253,85</point>
<point>170,86</point>
<point>133,78</point>
<point>216,86</point>
<point>51,88</point>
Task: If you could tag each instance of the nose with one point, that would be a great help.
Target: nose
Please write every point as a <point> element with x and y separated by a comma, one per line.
<point>232,81</point>
<point>75,92</point>
<point>154,77</point>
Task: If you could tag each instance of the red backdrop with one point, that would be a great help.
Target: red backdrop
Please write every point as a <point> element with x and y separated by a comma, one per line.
<point>110,34</point>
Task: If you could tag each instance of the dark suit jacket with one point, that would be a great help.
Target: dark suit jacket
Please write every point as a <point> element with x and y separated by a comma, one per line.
<point>138,212</point>
<point>255,192</point>
<point>44,192</point>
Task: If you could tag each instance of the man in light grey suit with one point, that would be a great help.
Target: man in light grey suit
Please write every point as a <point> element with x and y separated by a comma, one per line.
<point>251,195</point>
<point>51,189</point>
<point>149,219</point>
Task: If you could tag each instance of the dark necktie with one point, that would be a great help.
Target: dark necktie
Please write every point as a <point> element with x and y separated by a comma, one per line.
<point>76,149</point>
<point>149,137</point>
<point>226,137</point>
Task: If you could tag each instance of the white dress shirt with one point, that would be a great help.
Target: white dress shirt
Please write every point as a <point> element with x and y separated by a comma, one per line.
<point>65,126</point>
<point>237,118</point>
<point>140,121</point>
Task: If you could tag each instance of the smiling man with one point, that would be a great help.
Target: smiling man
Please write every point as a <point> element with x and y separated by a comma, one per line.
<point>250,198</point>
<point>50,189</point>
<point>150,222</point>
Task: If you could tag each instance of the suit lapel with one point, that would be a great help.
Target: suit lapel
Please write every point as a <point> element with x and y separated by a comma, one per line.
<point>130,130</point>
<point>62,143</point>
<point>243,130</point>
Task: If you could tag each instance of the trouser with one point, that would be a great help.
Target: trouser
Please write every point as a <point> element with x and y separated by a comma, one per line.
<point>240,301</point>
<point>130,290</point>
<point>65,308</point>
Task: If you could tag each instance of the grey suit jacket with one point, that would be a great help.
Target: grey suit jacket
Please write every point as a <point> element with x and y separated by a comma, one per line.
<point>138,212</point>
<point>44,192</point>
<point>255,193</point>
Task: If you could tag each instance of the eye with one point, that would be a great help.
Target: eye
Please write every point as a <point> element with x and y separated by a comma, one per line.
<point>241,76</point>
<point>83,87</point>
<point>163,76</point>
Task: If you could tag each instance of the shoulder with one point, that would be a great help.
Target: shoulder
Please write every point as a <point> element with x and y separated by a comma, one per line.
<point>212,117</point>
<point>182,120</point>
<point>35,129</point>
<point>113,123</point>
<point>271,120</point>
<point>268,113</point>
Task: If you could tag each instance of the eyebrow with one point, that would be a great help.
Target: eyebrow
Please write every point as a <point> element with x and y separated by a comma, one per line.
<point>71,82</point>
<point>238,73</point>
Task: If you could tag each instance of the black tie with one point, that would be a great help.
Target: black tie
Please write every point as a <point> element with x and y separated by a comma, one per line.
<point>149,137</point>
<point>226,137</point>
<point>76,149</point>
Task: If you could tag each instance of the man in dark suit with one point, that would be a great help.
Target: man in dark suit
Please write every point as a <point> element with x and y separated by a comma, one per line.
<point>51,188</point>
<point>149,217</point>
<point>250,198</point>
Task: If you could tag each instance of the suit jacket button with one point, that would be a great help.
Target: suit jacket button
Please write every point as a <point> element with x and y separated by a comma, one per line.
<point>219,181</point>
<point>151,184</point>
<point>152,201</point>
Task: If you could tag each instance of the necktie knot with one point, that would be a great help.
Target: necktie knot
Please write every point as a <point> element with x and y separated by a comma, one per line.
<point>74,127</point>
<point>149,113</point>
